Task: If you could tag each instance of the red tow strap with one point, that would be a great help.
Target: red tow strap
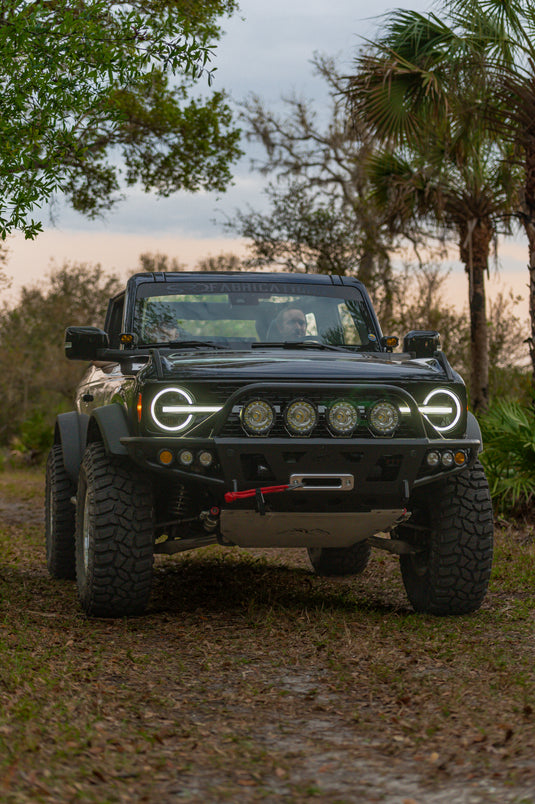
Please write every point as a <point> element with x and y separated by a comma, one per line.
<point>230,496</point>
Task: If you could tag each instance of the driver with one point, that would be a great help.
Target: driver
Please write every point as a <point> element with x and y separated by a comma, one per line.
<point>289,325</point>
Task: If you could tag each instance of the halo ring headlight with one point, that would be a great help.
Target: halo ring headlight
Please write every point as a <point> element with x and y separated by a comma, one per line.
<point>383,417</point>
<point>442,408</point>
<point>300,417</point>
<point>342,417</point>
<point>257,417</point>
<point>172,404</point>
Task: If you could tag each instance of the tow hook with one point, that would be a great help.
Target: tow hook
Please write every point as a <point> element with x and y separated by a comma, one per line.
<point>210,519</point>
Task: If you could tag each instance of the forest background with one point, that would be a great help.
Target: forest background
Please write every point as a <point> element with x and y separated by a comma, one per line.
<point>412,155</point>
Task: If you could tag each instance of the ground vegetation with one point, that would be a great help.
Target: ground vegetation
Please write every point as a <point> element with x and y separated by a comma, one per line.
<point>251,679</point>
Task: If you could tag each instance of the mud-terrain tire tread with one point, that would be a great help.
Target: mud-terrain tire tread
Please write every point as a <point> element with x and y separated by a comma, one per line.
<point>459,557</point>
<point>117,581</point>
<point>59,518</point>
<point>340,560</point>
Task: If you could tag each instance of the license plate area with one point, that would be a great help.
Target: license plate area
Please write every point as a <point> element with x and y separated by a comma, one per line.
<point>322,482</point>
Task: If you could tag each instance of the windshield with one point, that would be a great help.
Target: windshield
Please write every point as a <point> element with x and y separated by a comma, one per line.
<point>240,314</point>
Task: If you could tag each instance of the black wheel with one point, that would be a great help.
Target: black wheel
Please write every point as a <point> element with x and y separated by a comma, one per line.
<point>59,517</point>
<point>340,560</point>
<point>114,536</point>
<point>452,527</point>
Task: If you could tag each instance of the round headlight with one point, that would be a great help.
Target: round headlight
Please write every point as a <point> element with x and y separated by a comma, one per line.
<point>170,409</point>
<point>342,417</point>
<point>257,417</point>
<point>383,418</point>
<point>301,417</point>
<point>442,408</point>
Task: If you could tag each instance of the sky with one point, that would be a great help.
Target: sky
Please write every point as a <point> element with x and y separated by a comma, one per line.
<point>266,50</point>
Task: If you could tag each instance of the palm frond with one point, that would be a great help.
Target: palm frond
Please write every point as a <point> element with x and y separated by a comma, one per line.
<point>508,430</point>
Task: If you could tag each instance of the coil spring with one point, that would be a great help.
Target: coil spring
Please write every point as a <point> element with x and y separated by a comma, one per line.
<point>178,505</point>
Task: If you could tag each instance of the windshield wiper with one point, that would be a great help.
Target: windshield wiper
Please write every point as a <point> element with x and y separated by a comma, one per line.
<point>186,345</point>
<point>297,345</point>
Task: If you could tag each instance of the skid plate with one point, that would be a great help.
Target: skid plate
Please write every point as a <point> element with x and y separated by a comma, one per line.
<point>278,529</point>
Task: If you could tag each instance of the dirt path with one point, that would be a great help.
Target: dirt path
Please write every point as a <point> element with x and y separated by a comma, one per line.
<point>252,680</point>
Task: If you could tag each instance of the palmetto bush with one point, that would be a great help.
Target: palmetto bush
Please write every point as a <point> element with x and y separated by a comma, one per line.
<point>508,430</point>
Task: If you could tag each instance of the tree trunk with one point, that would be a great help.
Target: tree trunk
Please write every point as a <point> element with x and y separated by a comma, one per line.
<point>529,226</point>
<point>476,237</point>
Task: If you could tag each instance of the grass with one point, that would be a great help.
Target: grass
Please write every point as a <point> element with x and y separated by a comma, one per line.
<point>252,680</point>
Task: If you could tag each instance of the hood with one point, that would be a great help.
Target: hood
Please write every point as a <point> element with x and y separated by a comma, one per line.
<point>300,365</point>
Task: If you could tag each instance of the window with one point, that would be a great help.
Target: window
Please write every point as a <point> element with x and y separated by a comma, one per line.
<point>240,312</point>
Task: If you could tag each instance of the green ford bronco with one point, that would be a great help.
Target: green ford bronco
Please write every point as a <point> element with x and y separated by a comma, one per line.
<point>264,410</point>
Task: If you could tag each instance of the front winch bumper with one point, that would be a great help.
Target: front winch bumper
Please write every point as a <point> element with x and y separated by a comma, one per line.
<point>384,470</point>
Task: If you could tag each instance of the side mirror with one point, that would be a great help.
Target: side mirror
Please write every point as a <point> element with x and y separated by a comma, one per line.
<point>422,343</point>
<point>83,343</point>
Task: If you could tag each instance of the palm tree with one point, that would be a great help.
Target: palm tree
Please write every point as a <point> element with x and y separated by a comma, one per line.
<point>499,36</point>
<point>441,164</point>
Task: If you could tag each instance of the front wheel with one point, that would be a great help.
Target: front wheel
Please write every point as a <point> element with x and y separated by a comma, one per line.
<point>59,517</point>
<point>114,536</point>
<point>340,560</point>
<point>452,530</point>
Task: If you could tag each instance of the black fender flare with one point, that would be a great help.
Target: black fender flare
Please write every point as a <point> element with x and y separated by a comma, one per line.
<point>71,434</point>
<point>109,424</point>
<point>473,430</point>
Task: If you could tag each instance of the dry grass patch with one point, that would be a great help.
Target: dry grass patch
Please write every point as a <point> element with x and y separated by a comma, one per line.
<point>251,679</point>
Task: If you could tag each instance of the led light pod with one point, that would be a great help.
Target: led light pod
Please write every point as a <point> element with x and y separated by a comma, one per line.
<point>300,417</point>
<point>383,417</point>
<point>257,417</point>
<point>342,417</point>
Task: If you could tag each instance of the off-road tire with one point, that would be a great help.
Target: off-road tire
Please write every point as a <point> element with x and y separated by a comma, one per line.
<point>114,536</point>
<point>59,517</point>
<point>340,560</point>
<point>453,527</point>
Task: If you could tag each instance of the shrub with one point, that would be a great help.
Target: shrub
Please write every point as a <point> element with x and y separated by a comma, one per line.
<point>35,437</point>
<point>508,429</point>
